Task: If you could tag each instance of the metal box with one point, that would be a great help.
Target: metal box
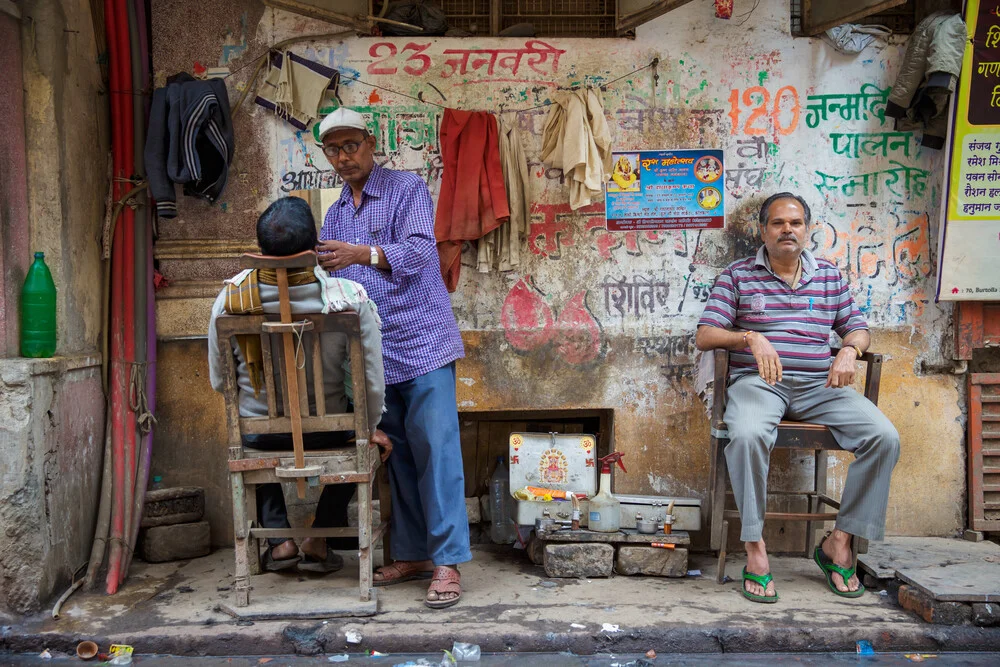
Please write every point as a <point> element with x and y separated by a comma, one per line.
<point>563,462</point>
<point>687,511</point>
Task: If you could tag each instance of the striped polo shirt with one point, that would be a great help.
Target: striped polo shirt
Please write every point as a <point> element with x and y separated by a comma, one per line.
<point>749,296</point>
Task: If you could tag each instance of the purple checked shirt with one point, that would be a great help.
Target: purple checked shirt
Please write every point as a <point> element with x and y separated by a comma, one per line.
<point>419,332</point>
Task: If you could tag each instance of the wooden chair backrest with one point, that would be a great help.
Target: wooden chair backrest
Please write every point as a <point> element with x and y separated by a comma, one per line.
<point>312,397</point>
<point>793,434</point>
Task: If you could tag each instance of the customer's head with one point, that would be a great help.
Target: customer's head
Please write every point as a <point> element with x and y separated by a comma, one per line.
<point>287,227</point>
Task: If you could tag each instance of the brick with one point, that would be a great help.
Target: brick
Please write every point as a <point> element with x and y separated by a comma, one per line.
<point>931,610</point>
<point>472,509</point>
<point>985,614</point>
<point>580,561</point>
<point>652,561</point>
<point>179,541</point>
<point>181,504</point>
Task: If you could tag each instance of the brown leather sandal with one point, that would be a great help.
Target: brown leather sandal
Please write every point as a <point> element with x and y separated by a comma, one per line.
<point>445,580</point>
<point>400,571</point>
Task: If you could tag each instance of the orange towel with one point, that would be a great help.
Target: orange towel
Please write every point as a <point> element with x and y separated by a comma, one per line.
<point>473,199</point>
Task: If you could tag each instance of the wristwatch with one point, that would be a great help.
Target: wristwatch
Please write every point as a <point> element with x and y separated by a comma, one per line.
<point>374,255</point>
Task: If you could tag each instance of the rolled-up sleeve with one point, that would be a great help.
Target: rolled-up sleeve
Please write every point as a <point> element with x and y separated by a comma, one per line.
<point>720,310</point>
<point>414,245</point>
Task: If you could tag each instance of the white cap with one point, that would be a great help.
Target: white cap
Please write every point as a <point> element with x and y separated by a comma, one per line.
<point>342,118</point>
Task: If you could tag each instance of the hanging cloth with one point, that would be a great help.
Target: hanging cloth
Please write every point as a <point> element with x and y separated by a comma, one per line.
<point>502,246</point>
<point>295,87</point>
<point>576,139</point>
<point>473,199</point>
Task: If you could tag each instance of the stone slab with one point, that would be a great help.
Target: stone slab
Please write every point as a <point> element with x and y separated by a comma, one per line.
<point>957,582</point>
<point>165,507</point>
<point>651,561</point>
<point>678,537</point>
<point>885,558</point>
<point>579,561</point>
<point>268,603</point>
<point>179,541</point>
<point>472,510</point>
<point>939,612</point>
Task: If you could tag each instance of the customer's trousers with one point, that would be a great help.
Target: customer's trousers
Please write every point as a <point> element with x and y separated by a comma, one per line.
<point>753,410</point>
<point>425,470</point>
<point>331,510</point>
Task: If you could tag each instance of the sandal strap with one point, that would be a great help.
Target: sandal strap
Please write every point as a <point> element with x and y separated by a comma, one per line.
<point>845,572</point>
<point>446,574</point>
<point>398,570</point>
<point>762,579</point>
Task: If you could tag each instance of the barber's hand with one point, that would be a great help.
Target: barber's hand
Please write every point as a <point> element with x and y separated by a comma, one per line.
<point>383,442</point>
<point>843,369</point>
<point>768,362</point>
<point>337,255</point>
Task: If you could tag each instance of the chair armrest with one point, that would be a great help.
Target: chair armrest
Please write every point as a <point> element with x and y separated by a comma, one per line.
<point>873,373</point>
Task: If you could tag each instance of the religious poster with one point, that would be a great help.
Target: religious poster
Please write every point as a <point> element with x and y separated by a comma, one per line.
<point>970,245</point>
<point>666,189</point>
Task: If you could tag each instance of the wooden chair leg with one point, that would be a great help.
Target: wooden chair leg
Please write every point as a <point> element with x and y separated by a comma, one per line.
<point>241,541</point>
<point>815,504</point>
<point>365,539</point>
<point>385,510</point>
<point>718,482</point>
<point>252,544</point>
<point>720,577</point>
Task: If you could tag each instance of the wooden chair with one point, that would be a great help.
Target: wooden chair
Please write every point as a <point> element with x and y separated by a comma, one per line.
<point>249,467</point>
<point>791,435</point>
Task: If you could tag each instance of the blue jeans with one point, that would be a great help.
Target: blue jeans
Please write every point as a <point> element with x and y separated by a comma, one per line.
<point>425,470</point>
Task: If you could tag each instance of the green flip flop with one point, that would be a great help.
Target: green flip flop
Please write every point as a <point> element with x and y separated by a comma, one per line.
<point>763,580</point>
<point>829,567</point>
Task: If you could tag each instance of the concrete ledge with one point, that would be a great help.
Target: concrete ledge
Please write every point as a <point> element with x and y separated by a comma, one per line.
<point>48,366</point>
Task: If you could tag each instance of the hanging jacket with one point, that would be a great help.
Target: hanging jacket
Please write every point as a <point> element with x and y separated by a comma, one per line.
<point>921,95</point>
<point>189,141</point>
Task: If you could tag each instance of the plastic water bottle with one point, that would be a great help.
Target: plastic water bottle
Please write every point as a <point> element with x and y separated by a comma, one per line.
<point>501,528</point>
<point>38,311</point>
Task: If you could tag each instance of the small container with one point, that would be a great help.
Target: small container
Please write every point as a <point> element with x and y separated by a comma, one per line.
<point>668,522</point>
<point>86,650</point>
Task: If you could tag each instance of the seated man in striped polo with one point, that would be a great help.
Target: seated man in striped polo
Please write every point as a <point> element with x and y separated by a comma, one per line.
<point>775,312</point>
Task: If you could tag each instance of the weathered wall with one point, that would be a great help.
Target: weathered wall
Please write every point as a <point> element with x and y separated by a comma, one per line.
<point>51,410</point>
<point>570,327</point>
<point>51,437</point>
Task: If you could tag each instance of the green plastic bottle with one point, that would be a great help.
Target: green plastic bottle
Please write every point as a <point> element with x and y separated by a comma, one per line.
<point>38,311</point>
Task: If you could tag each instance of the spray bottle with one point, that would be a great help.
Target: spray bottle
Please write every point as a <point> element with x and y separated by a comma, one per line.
<point>605,510</point>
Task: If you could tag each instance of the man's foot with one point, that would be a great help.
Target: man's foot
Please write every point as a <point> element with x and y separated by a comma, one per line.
<point>757,564</point>
<point>403,570</point>
<point>836,548</point>
<point>314,547</point>
<point>445,588</point>
<point>281,557</point>
<point>319,557</point>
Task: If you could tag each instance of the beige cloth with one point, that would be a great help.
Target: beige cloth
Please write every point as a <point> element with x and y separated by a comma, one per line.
<point>294,89</point>
<point>502,246</point>
<point>576,139</point>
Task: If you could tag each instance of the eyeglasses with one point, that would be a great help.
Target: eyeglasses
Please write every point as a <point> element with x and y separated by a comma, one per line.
<point>350,148</point>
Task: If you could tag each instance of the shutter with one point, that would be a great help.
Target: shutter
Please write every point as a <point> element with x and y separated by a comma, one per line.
<point>820,15</point>
<point>632,13</point>
<point>354,14</point>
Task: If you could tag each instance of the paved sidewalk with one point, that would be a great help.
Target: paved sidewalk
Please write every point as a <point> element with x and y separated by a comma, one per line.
<point>508,605</point>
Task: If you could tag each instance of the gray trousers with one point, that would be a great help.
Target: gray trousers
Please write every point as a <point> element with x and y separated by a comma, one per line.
<point>753,410</point>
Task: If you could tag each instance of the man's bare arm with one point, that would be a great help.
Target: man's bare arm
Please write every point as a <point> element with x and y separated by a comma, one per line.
<point>768,363</point>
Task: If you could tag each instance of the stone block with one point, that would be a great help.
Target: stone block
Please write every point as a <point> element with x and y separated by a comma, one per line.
<point>165,507</point>
<point>652,561</point>
<point>985,614</point>
<point>931,610</point>
<point>179,541</point>
<point>580,561</point>
<point>472,509</point>
<point>536,550</point>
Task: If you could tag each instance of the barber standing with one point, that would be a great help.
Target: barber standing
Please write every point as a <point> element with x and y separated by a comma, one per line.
<point>380,233</point>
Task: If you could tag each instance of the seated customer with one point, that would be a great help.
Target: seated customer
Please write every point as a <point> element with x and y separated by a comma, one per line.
<point>775,312</point>
<point>287,228</point>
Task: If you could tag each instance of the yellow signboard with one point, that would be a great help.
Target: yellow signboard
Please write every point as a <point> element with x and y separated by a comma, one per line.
<point>969,268</point>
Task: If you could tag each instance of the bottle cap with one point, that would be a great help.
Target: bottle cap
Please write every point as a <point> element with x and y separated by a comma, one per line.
<point>39,255</point>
